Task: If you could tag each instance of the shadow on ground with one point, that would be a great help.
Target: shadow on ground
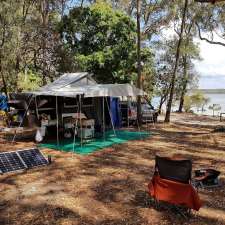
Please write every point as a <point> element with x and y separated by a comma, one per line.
<point>109,187</point>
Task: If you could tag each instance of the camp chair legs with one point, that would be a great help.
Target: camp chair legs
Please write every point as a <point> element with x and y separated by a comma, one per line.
<point>183,211</point>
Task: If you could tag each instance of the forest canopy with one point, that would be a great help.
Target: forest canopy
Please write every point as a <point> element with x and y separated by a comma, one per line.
<point>118,41</point>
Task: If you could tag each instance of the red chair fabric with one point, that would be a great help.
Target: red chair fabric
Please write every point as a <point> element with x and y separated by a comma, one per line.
<point>174,192</point>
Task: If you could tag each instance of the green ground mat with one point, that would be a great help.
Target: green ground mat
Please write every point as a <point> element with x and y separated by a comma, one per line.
<point>122,136</point>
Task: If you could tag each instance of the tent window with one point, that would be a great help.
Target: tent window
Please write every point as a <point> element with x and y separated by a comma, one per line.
<point>70,102</point>
<point>87,102</point>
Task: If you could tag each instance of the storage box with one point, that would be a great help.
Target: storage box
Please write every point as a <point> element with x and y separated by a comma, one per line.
<point>44,123</point>
<point>86,133</point>
<point>86,123</point>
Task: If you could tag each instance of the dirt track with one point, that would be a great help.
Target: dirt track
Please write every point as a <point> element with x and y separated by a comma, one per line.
<point>109,187</point>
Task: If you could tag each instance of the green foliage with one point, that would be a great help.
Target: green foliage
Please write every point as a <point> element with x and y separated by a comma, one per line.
<point>100,40</point>
<point>29,81</point>
<point>148,70</point>
<point>28,40</point>
<point>187,103</point>
<point>197,100</point>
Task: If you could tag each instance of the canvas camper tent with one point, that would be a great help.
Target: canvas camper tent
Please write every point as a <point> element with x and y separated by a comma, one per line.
<point>78,93</point>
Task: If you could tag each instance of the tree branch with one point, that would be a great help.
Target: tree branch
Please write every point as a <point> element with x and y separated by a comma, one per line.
<point>207,40</point>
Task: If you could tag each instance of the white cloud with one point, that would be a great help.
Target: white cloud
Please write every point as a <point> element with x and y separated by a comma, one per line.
<point>212,66</point>
<point>213,62</point>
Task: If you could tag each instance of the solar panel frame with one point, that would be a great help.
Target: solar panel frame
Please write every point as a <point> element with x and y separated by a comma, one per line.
<point>33,157</point>
<point>21,159</point>
<point>10,162</point>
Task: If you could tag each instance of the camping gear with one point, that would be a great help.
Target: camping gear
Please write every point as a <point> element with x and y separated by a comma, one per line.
<point>115,112</point>
<point>86,133</point>
<point>21,132</point>
<point>4,103</point>
<point>21,160</point>
<point>206,178</point>
<point>67,134</point>
<point>171,183</point>
<point>128,112</point>
<point>174,169</point>
<point>38,136</point>
<point>86,128</point>
<point>77,88</point>
<point>3,118</point>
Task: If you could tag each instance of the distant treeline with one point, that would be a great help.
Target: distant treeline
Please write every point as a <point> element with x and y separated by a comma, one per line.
<point>210,91</point>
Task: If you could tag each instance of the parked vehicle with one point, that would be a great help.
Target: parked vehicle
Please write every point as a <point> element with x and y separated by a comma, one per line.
<point>149,114</point>
<point>129,112</point>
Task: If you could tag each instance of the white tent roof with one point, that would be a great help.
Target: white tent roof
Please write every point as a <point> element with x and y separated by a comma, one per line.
<point>97,90</point>
<point>70,79</point>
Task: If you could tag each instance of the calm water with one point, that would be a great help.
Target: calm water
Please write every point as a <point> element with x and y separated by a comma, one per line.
<point>214,99</point>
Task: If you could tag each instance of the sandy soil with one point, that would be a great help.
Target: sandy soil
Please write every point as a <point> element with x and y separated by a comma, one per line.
<point>109,187</point>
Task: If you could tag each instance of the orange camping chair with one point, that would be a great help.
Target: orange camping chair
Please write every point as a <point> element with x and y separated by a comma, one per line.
<point>171,183</point>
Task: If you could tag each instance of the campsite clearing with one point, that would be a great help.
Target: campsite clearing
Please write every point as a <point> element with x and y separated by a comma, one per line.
<point>109,187</point>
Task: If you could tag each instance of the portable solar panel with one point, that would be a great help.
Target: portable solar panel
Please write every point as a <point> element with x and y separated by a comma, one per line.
<point>32,158</point>
<point>21,160</point>
<point>10,161</point>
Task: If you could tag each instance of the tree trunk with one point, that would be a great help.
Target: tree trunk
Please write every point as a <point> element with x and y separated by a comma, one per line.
<point>162,100</point>
<point>181,105</point>
<point>17,70</point>
<point>3,78</point>
<point>139,85</point>
<point>160,105</point>
<point>185,82</point>
<point>169,105</point>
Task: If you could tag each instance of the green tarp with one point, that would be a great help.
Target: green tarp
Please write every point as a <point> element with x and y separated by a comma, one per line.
<point>122,136</point>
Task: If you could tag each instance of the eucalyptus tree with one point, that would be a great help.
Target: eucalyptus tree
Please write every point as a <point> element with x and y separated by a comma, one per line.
<point>164,60</point>
<point>9,28</point>
<point>201,20</point>
<point>27,39</point>
<point>210,22</point>
<point>177,57</point>
<point>189,76</point>
<point>150,16</point>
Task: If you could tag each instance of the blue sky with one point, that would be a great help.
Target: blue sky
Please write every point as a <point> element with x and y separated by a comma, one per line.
<point>212,82</point>
<point>211,68</point>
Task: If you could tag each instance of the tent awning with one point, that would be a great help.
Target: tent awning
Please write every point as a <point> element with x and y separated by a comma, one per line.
<point>70,79</point>
<point>97,90</point>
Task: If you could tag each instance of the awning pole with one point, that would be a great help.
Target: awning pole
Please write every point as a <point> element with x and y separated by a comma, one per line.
<point>128,121</point>
<point>110,114</point>
<point>81,128</point>
<point>36,106</point>
<point>23,117</point>
<point>103,117</point>
<point>139,128</point>
<point>57,119</point>
<point>75,127</point>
